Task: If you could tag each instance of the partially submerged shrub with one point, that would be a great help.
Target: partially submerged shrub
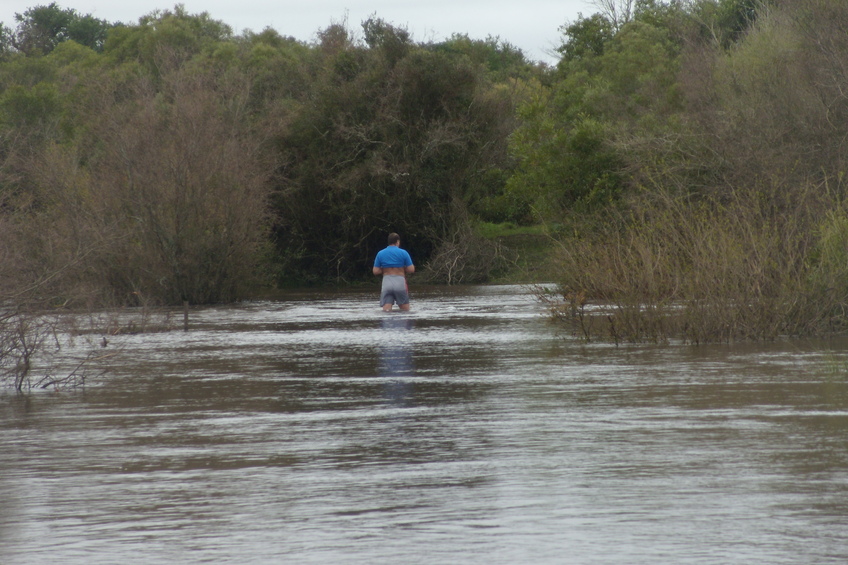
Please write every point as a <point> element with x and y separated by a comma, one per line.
<point>464,258</point>
<point>754,266</point>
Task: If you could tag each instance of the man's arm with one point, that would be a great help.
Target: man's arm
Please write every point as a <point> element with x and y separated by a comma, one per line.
<point>409,269</point>
<point>377,271</point>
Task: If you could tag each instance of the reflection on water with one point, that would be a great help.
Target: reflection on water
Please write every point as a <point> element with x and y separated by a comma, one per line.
<point>396,358</point>
<point>314,428</point>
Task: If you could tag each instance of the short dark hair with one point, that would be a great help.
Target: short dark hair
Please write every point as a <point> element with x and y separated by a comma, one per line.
<point>393,238</point>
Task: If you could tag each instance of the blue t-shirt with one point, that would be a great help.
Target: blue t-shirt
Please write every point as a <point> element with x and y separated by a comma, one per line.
<point>393,256</point>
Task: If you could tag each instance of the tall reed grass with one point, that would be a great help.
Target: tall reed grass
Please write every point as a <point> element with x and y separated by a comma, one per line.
<point>753,265</point>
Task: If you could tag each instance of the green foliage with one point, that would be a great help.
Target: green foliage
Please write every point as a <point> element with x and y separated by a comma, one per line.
<point>7,38</point>
<point>614,86</point>
<point>586,38</point>
<point>727,21</point>
<point>563,169</point>
<point>354,135</point>
<point>500,59</point>
<point>382,144</point>
<point>394,43</point>
<point>491,230</point>
<point>636,75</point>
<point>775,100</point>
<point>41,29</point>
<point>32,107</point>
<point>731,223</point>
<point>27,72</point>
<point>365,137</point>
<point>166,38</point>
<point>280,67</point>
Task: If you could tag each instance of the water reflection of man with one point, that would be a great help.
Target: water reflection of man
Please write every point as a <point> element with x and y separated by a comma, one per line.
<point>396,361</point>
<point>394,264</point>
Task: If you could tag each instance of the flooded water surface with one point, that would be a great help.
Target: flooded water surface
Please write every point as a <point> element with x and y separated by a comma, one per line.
<point>313,428</point>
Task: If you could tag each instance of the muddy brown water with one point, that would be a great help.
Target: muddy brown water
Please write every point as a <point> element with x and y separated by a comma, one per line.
<point>313,428</point>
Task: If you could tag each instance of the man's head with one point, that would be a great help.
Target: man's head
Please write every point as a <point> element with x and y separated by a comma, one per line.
<point>394,239</point>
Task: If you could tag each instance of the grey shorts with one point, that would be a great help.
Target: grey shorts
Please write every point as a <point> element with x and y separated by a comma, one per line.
<point>394,290</point>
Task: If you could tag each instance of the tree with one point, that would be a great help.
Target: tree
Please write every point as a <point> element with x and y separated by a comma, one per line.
<point>586,38</point>
<point>391,138</point>
<point>162,183</point>
<point>176,34</point>
<point>501,60</point>
<point>579,146</point>
<point>736,222</point>
<point>617,12</point>
<point>392,42</point>
<point>41,29</point>
<point>7,37</point>
<point>726,21</point>
<point>182,176</point>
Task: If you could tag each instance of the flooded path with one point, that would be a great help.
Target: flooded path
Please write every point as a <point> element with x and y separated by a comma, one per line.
<point>313,428</point>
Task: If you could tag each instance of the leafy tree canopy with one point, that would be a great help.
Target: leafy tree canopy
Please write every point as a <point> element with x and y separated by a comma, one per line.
<point>40,29</point>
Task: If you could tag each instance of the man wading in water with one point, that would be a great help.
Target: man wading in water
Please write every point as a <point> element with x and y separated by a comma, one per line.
<point>394,264</point>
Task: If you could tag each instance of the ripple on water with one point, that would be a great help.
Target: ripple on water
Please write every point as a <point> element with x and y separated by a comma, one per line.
<point>314,428</point>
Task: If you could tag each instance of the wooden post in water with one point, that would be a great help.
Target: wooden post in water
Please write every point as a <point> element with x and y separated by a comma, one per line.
<point>185,315</point>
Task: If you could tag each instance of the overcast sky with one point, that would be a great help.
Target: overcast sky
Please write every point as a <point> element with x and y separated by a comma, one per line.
<point>531,25</point>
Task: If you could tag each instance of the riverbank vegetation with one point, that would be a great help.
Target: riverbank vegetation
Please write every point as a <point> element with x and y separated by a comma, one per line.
<point>730,215</point>
<point>680,172</point>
